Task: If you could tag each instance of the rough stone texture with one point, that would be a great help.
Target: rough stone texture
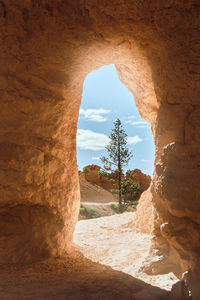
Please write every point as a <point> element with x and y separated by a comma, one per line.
<point>75,279</point>
<point>47,48</point>
<point>144,214</point>
<point>92,175</point>
<point>140,178</point>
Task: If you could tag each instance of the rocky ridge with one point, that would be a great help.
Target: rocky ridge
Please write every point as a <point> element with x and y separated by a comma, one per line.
<point>94,176</point>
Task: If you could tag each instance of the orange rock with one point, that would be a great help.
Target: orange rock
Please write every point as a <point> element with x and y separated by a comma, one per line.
<point>94,177</point>
<point>106,182</point>
<point>140,178</point>
<point>47,49</point>
<point>144,214</point>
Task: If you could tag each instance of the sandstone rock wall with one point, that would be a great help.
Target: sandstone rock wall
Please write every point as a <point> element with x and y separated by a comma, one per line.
<point>140,178</point>
<point>106,182</point>
<point>47,49</point>
<point>144,213</point>
<point>94,177</point>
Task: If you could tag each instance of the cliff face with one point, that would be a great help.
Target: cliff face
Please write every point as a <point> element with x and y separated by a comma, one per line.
<point>144,213</point>
<point>140,178</point>
<point>47,49</point>
<point>92,175</point>
<point>110,181</point>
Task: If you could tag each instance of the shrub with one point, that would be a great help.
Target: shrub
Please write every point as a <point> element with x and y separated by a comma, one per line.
<point>124,207</point>
<point>115,207</point>
<point>103,173</point>
<point>133,202</point>
<point>85,170</point>
<point>88,212</point>
<point>114,191</point>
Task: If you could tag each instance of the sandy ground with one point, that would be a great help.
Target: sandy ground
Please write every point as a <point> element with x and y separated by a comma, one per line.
<point>94,193</point>
<point>104,209</point>
<point>109,240</point>
<point>73,279</point>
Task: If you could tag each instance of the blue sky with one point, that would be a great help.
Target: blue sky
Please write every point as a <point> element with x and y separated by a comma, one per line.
<point>105,99</point>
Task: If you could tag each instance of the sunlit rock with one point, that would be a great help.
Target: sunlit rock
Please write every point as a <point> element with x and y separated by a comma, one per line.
<point>47,49</point>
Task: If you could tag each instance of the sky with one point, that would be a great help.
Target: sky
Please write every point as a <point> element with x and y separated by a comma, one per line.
<point>104,99</point>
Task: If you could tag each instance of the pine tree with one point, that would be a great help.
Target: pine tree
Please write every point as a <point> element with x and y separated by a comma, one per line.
<point>118,155</point>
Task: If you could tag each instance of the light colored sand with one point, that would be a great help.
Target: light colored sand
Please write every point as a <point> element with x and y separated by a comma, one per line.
<point>109,240</point>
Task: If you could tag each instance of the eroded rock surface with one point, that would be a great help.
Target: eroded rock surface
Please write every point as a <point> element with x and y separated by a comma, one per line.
<point>92,175</point>
<point>47,49</point>
<point>145,213</point>
<point>109,181</point>
<point>140,178</point>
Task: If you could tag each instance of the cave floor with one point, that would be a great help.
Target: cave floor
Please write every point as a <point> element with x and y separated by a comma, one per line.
<point>79,278</point>
<point>116,242</point>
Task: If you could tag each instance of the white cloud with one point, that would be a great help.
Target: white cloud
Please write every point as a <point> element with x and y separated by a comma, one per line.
<point>90,140</point>
<point>131,117</point>
<point>134,139</point>
<point>94,115</point>
<point>144,160</point>
<point>137,124</point>
<point>128,121</point>
<point>95,158</point>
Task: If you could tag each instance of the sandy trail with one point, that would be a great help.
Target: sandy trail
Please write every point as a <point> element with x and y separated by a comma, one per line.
<point>98,203</point>
<point>68,279</point>
<point>109,240</point>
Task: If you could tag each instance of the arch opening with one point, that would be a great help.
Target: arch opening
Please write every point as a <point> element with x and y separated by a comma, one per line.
<point>56,45</point>
<point>104,99</point>
<point>116,241</point>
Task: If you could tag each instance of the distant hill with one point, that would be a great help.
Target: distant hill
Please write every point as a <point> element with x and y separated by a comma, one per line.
<point>94,193</point>
<point>92,175</point>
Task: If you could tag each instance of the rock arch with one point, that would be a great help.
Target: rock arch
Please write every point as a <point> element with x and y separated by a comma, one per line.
<point>47,49</point>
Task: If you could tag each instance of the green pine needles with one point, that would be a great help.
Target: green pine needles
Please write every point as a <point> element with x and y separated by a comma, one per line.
<point>118,155</point>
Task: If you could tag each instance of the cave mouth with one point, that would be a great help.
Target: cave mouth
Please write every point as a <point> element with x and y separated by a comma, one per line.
<point>113,239</point>
<point>104,99</point>
<point>48,47</point>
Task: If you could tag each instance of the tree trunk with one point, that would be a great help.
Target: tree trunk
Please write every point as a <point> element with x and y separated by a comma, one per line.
<point>119,178</point>
<point>119,187</point>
